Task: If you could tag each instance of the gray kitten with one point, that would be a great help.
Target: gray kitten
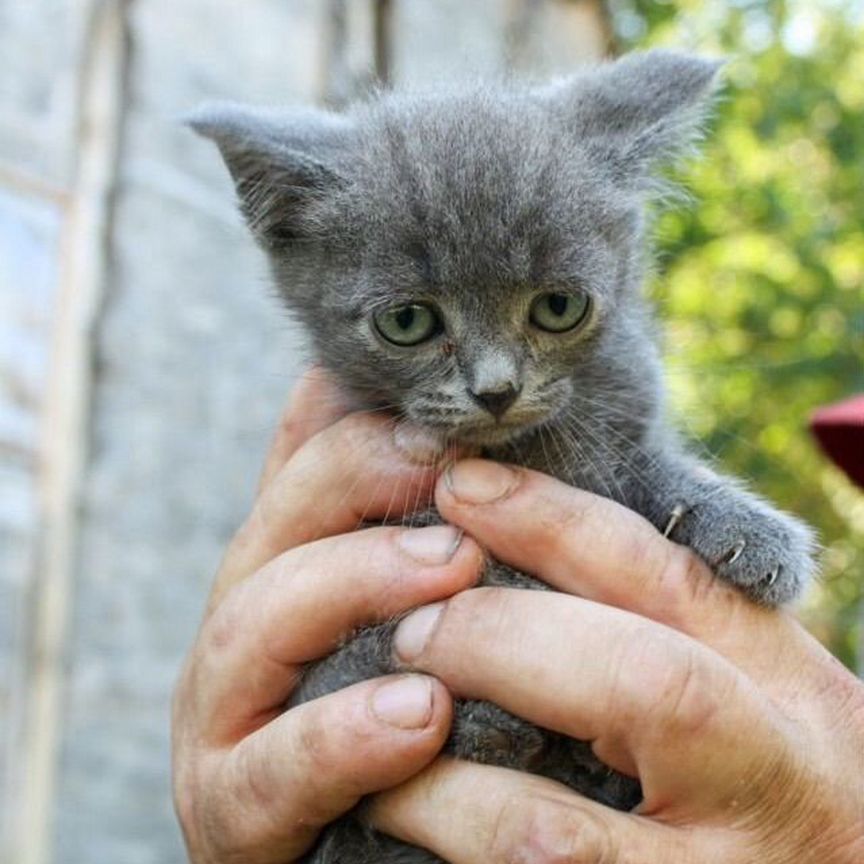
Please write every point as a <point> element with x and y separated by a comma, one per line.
<point>474,259</point>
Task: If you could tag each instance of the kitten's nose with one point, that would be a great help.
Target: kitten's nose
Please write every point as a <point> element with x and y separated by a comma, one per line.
<point>497,401</point>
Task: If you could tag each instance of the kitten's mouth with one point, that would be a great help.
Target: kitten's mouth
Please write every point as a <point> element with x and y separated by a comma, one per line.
<point>465,427</point>
<point>477,430</point>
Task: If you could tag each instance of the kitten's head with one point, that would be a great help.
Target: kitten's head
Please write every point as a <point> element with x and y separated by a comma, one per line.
<point>472,258</point>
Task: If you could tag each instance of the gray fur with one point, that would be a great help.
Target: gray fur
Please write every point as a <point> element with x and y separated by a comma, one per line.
<point>476,199</point>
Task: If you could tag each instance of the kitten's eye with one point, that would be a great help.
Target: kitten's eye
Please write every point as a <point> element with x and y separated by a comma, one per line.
<point>558,313</point>
<point>408,325</point>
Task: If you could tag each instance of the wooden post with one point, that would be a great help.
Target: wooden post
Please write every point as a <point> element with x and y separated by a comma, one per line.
<point>335,74</point>
<point>83,269</point>
<point>554,35</point>
<point>383,40</point>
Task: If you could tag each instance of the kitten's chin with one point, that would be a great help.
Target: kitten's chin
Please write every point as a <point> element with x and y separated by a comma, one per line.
<point>491,437</point>
<point>485,436</point>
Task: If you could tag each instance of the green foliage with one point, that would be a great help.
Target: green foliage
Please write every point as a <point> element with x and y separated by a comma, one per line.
<point>762,278</point>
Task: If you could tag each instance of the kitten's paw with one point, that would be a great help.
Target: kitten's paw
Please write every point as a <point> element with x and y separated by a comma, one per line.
<point>767,554</point>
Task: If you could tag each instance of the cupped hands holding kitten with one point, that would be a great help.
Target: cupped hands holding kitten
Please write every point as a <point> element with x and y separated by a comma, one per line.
<point>747,737</point>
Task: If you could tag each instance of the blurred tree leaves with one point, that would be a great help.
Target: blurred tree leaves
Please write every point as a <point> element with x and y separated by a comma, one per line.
<point>762,279</point>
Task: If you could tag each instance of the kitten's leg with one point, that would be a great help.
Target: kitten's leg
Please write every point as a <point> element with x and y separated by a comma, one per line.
<point>482,732</point>
<point>766,553</point>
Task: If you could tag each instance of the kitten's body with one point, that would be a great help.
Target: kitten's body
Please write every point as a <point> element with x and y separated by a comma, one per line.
<point>477,206</point>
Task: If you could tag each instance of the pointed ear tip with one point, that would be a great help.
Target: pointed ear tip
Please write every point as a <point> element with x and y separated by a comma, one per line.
<point>710,66</point>
<point>209,118</point>
<point>194,121</point>
<point>716,65</point>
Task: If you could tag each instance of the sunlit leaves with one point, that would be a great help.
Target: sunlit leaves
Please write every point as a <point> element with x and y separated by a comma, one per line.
<point>761,282</point>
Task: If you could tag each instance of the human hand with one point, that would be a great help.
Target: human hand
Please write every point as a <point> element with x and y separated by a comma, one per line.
<point>253,783</point>
<point>747,736</point>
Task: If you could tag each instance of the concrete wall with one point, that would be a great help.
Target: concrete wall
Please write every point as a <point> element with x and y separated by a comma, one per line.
<point>142,363</point>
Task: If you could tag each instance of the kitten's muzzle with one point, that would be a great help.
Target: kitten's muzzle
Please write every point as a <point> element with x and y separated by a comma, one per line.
<point>496,401</point>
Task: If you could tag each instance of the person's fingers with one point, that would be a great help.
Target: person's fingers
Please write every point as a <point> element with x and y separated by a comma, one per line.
<point>593,547</point>
<point>477,814</point>
<point>273,792</point>
<point>637,690</point>
<point>356,469</point>
<point>248,658</point>
<point>315,404</point>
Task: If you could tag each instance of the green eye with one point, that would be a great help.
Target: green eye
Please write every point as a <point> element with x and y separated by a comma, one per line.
<point>408,325</point>
<point>559,312</point>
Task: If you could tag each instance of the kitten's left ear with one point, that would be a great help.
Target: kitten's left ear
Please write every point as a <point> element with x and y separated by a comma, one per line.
<point>281,162</point>
<point>639,112</point>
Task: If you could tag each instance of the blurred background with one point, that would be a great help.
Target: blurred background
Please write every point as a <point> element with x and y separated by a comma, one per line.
<point>143,362</point>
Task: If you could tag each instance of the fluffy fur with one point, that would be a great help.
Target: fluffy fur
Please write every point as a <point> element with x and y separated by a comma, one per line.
<point>476,201</point>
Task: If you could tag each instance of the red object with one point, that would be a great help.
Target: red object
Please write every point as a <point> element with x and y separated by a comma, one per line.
<point>839,429</point>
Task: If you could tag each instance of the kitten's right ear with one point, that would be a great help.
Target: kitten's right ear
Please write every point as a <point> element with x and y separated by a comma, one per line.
<point>281,162</point>
<point>638,113</point>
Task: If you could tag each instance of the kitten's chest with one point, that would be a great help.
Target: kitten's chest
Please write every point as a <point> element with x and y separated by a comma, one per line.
<point>601,465</point>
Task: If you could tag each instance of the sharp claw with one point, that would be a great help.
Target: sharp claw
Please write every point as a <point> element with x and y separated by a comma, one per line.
<point>674,518</point>
<point>772,576</point>
<point>734,553</point>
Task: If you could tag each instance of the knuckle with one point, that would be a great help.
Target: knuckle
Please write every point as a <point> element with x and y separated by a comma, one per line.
<point>312,750</point>
<point>642,557</point>
<point>319,760</point>
<point>662,674</point>
<point>694,693</point>
<point>692,697</point>
<point>254,530</point>
<point>543,830</point>
<point>562,520</point>
<point>243,815</point>
<point>309,750</point>
<point>208,819</point>
<point>486,607</point>
<point>685,582</point>
<point>225,625</point>
<point>251,779</point>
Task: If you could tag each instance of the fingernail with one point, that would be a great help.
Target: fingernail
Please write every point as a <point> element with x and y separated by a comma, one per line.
<point>414,631</point>
<point>405,703</point>
<point>478,481</point>
<point>436,544</point>
<point>419,445</point>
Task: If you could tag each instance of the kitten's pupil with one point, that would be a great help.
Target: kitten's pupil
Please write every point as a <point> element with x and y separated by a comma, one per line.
<point>405,317</point>
<point>558,303</point>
